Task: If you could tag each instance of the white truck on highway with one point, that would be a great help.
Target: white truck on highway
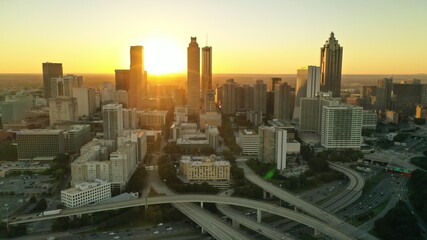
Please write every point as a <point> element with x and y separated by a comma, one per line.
<point>50,212</point>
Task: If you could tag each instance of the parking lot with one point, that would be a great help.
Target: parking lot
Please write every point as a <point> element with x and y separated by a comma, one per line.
<point>17,189</point>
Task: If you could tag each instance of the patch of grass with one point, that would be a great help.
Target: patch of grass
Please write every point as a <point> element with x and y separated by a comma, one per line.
<point>374,212</point>
<point>420,162</point>
<point>308,237</point>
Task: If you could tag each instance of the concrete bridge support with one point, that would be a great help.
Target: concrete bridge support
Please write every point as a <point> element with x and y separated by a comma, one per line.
<point>258,216</point>
<point>316,233</point>
<point>235,224</point>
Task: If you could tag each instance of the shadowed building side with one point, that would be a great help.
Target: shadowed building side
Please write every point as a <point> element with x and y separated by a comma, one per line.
<point>330,66</point>
<point>193,78</point>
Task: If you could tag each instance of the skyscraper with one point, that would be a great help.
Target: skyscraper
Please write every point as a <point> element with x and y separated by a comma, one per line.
<point>260,97</point>
<point>137,82</point>
<point>62,109</point>
<point>50,70</point>
<point>122,79</point>
<point>341,127</point>
<point>275,81</point>
<point>206,69</point>
<point>228,97</point>
<point>112,115</point>
<point>283,108</point>
<point>308,84</point>
<point>193,78</point>
<point>383,93</point>
<point>330,66</point>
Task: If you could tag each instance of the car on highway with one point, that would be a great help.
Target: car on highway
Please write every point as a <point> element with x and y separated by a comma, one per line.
<point>160,224</point>
<point>156,232</point>
<point>116,237</point>
<point>169,228</point>
<point>112,233</point>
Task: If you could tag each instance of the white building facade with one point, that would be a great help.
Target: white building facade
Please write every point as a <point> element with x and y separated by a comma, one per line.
<point>86,193</point>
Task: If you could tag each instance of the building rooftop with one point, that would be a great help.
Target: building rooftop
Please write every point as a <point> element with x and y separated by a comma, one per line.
<point>248,132</point>
<point>203,160</point>
<point>39,131</point>
<point>82,186</point>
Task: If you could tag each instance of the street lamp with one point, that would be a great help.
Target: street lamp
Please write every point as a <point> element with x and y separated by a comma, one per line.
<point>164,186</point>
<point>6,208</point>
<point>280,200</point>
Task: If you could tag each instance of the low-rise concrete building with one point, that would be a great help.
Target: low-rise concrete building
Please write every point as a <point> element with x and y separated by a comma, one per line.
<point>211,119</point>
<point>249,141</point>
<point>85,193</point>
<point>39,143</point>
<point>208,169</point>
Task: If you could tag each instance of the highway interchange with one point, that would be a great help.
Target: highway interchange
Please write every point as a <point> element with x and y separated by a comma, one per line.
<point>221,230</point>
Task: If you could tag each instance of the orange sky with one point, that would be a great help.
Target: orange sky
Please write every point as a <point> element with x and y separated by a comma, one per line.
<point>272,37</point>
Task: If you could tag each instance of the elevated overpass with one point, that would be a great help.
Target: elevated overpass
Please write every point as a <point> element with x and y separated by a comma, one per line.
<point>318,225</point>
<point>237,218</point>
<point>309,208</point>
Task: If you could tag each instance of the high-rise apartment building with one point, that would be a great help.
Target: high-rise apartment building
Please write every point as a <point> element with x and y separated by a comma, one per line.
<point>86,104</point>
<point>130,118</point>
<point>193,78</point>
<point>406,97</point>
<point>122,77</point>
<point>112,115</point>
<point>311,111</point>
<point>307,86</point>
<point>283,108</point>
<point>50,70</point>
<point>272,146</point>
<point>123,163</point>
<point>248,97</point>
<point>260,97</point>
<point>63,86</point>
<point>152,119</point>
<point>122,97</point>
<point>228,97</point>
<point>62,109</point>
<point>330,66</point>
<point>383,93</point>
<point>206,69</point>
<point>209,101</point>
<point>341,127</point>
<point>274,81</point>
<point>13,110</point>
<point>137,81</point>
<point>179,97</point>
<point>369,119</point>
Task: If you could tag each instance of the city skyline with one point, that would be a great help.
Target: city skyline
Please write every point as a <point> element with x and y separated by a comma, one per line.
<point>283,37</point>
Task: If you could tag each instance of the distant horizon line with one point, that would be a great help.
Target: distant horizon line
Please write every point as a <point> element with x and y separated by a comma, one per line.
<point>159,75</point>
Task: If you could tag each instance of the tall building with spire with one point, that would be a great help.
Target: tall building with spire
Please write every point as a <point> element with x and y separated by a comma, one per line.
<point>50,70</point>
<point>206,70</point>
<point>137,83</point>
<point>330,66</point>
<point>193,78</point>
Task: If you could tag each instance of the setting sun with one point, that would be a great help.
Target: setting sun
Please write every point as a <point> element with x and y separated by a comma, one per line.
<point>163,56</point>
